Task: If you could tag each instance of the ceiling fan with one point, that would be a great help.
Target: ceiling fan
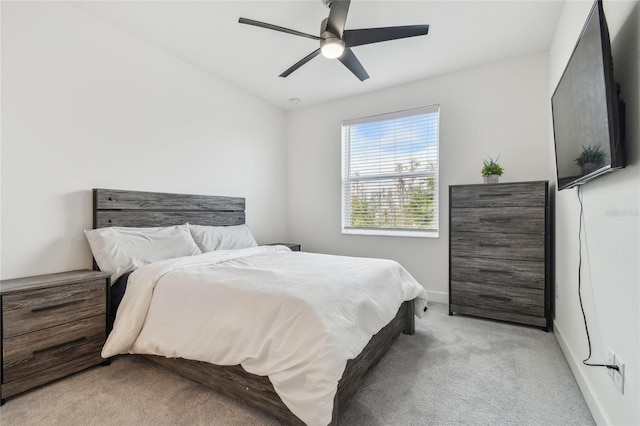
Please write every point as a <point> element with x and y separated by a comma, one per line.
<point>336,42</point>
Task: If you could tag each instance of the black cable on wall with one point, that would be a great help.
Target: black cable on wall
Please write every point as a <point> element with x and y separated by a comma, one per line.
<point>584,317</point>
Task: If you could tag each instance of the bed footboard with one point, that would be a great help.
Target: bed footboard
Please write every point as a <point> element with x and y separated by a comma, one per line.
<point>257,391</point>
<point>234,381</point>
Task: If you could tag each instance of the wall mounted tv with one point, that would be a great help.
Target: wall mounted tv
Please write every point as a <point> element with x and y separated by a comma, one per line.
<point>588,114</point>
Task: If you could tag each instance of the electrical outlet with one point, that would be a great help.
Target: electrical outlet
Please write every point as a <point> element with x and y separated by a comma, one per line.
<point>611,360</point>
<point>618,376</point>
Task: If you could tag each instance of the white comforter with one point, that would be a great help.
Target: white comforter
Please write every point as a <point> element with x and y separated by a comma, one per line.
<point>295,317</point>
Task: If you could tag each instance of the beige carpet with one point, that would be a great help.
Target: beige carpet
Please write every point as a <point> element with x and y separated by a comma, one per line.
<point>454,370</point>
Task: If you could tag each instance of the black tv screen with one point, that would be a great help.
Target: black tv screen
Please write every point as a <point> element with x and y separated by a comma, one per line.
<point>586,109</point>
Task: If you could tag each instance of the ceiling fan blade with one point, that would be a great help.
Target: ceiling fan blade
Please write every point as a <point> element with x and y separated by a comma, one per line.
<point>375,35</point>
<point>350,61</point>
<point>338,16</point>
<point>276,28</point>
<point>300,63</point>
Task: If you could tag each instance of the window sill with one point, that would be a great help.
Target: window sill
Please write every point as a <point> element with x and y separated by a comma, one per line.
<point>391,233</point>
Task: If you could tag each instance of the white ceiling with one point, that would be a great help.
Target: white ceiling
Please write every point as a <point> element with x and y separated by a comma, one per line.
<point>207,34</point>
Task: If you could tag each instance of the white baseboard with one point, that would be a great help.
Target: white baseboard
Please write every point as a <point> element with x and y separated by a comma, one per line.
<point>590,397</point>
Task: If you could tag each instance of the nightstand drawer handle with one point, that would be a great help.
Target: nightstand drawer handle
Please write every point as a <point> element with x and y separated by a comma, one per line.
<point>59,305</point>
<point>496,298</point>
<point>61,345</point>
<point>494,245</point>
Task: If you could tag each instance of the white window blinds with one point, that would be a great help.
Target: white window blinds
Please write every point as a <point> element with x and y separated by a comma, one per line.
<point>390,173</point>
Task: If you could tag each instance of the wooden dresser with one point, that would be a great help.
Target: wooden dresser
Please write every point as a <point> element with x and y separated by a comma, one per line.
<point>52,325</point>
<point>499,252</point>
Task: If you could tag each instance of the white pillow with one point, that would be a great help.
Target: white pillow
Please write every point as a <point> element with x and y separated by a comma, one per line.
<point>121,249</point>
<point>210,238</point>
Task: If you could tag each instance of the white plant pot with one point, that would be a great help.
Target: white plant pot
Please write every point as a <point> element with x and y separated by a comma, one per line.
<point>491,179</point>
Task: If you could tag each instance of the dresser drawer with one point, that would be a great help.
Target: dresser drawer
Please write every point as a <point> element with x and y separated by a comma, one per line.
<point>530,247</point>
<point>513,273</point>
<point>509,220</point>
<point>34,352</point>
<point>27,311</point>
<point>500,298</point>
<point>524,194</point>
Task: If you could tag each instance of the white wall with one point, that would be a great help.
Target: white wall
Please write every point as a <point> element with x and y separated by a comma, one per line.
<point>611,239</point>
<point>497,109</point>
<point>86,105</point>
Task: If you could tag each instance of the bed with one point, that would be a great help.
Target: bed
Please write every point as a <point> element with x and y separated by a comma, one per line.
<point>117,208</point>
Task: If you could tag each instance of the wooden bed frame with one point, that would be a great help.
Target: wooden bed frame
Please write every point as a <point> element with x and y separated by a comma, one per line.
<point>145,209</point>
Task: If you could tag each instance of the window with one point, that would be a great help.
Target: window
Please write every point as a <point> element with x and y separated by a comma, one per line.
<point>390,174</point>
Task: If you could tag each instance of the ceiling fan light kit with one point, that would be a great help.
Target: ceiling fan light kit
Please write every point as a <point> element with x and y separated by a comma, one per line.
<point>332,47</point>
<point>336,42</point>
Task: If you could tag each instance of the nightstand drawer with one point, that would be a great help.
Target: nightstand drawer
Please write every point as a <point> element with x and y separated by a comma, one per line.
<point>34,352</point>
<point>27,311</point>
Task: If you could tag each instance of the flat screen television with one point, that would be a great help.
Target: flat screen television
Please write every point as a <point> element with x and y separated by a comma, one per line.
<point>588,114</point>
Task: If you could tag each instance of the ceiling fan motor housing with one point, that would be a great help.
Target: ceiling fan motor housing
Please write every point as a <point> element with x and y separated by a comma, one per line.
<point>323,29</point>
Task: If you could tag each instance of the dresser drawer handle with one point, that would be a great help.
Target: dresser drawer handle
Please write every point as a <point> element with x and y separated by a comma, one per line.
<point>60,345</point>
<point>494,195</point>
<point>496,298</point>
<point>494,245</point>
<point>59,305</point>
<point>496,219</point>
<point>495,271</point>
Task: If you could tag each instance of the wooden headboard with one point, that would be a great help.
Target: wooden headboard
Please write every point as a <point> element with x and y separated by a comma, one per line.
<point>112,207</point>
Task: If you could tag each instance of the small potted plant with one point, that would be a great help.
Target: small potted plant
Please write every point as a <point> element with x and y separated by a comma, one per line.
<point>591,158</point>
<point>491,170</point>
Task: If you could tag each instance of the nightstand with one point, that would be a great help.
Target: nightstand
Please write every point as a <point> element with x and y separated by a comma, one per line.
<point>52,325</point>
<point>292,246</point>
